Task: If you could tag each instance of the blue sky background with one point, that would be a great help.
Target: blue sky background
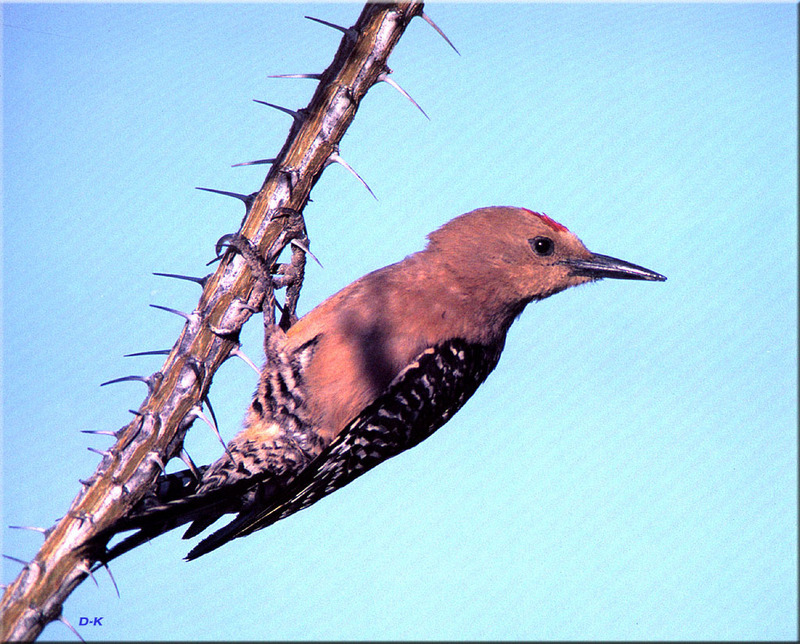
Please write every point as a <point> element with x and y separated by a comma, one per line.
<point>629,471</point>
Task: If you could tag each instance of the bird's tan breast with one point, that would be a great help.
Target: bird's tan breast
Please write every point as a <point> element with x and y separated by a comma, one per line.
<point>368,333</point>
<point>375,327</point>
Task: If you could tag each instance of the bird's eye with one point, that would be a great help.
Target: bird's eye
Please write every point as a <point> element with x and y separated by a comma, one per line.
<point>542,245</point>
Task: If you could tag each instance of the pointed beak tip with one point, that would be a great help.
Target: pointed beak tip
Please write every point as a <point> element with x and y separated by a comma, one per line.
<point>650,276</point>
<point>600,266</point>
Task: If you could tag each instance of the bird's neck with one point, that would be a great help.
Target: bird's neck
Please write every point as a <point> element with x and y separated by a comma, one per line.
<point>465,300</point>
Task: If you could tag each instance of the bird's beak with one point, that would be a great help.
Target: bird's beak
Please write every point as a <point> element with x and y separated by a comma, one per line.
<point>598,266</point>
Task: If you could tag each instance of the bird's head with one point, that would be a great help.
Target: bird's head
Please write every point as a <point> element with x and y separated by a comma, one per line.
<point>524,255</point>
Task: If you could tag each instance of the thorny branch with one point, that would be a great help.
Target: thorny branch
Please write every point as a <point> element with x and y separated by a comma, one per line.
<point>230,296</point>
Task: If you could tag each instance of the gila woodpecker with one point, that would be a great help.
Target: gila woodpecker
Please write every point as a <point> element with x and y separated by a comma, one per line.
<point>374,370</point>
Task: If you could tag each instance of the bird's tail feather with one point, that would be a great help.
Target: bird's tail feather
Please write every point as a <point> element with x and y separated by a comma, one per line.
<point>173,503</point>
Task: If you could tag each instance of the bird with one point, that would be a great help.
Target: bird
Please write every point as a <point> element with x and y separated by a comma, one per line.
<point>374,370</point>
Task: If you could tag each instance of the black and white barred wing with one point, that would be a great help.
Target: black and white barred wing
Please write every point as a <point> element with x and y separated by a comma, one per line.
<point>419,400</point>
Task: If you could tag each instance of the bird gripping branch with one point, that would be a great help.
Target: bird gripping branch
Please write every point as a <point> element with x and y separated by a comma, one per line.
<point>374,370</point>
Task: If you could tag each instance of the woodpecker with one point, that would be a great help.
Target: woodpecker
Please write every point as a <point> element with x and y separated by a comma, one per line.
<point>374,370</point>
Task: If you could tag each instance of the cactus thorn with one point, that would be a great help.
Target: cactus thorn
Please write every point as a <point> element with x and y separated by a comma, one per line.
<point>189,278</point>
<point>297,116</point>
<point>384,77</point>
<point>351,33</point>
<point>335,158</point>
<point>427,19</point>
